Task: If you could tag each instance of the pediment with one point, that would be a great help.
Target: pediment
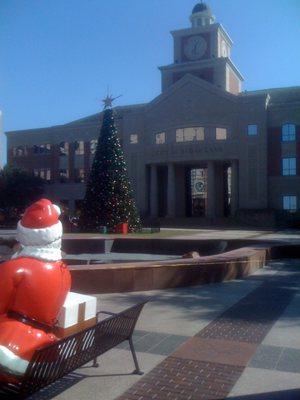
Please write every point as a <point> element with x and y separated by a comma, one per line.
<point>191,100</point>
<point>199,85</point>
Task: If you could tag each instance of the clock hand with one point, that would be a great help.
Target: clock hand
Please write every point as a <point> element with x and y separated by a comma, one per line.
<point>194,51</point>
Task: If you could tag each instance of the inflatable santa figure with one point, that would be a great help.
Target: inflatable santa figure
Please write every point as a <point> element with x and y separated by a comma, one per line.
<point>33,288</point>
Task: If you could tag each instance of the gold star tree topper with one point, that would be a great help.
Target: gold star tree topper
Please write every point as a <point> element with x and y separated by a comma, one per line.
<point>107,102</point>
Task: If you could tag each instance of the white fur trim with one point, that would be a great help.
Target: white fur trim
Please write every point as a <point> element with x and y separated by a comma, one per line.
<point>57,209</point>
<point>38,237</point>
<point>50,252</point>
<point>11,362</point>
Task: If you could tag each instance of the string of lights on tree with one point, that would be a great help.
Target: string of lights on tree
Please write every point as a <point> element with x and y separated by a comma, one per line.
<point>109,198</point>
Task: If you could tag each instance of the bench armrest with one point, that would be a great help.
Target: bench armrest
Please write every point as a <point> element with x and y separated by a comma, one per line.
<point>105,312</point>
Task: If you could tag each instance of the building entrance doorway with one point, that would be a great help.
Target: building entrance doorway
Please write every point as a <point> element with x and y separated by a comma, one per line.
<point>196,192</point>
<point>162,187</point>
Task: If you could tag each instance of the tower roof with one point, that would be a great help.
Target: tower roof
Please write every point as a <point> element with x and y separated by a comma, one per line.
<point>200,7</point>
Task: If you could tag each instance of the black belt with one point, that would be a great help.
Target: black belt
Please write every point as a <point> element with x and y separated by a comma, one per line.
<point>29,321</point>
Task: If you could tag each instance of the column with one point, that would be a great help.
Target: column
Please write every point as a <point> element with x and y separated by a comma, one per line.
<point>219,189</point>
<point>171,190</point>
<point>153,191</point>
<point>234,187</point>
<point>211,190</point>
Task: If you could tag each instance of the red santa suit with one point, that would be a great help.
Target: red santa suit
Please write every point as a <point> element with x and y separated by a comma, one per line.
<point>33,288</point>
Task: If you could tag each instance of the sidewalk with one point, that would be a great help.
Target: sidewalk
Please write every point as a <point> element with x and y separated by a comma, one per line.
<point>237,339</point>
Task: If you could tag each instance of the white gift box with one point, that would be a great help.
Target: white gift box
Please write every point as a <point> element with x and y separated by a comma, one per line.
<point>77,313</point>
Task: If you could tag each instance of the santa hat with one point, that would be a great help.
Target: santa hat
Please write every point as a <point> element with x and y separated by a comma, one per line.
<point>40,225</point>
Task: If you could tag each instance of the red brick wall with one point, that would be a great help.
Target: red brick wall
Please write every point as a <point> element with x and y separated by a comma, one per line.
<point>233,83</point>
<point>274,151</point>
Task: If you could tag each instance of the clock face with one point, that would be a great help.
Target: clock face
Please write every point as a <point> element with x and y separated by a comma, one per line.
<point>199,186</point>
<point>195,47</point>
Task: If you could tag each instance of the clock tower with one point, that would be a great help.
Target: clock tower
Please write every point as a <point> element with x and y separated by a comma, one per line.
<point>203,50</point>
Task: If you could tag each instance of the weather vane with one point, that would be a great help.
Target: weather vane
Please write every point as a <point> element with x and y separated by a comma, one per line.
<point>109,100</point>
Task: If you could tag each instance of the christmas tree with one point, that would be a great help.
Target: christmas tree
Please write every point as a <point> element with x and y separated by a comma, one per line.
<point>109,198</point>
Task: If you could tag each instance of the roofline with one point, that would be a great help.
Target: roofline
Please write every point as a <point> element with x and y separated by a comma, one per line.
<point>204,62</point>
<point>264,91</point>
<point>226,33</point>
<point>72,123</point>
<point>235,68</point>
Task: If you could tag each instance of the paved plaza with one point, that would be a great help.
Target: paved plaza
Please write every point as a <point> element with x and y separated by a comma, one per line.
<point>289,235</point>
<point>236,340</point>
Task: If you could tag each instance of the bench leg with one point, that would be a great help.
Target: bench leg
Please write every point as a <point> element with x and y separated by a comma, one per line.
<point>95,363</point>
<point>136,364</point>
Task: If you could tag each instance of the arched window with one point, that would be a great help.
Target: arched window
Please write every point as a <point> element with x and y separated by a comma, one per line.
<point>288,132</point>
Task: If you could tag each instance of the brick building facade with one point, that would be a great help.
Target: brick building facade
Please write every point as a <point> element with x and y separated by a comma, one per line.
<point>202,148</point>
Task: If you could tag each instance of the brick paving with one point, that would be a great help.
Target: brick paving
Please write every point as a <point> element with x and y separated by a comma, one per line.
<point>208,365</point>
<point>219,351</point>
<point>179,379</point>
<point>250,319</point>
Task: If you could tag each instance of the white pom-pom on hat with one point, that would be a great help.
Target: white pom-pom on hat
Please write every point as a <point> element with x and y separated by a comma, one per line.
<point>58,210</point>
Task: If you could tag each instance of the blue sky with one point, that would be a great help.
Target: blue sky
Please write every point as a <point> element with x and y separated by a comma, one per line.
<point>58,56</point>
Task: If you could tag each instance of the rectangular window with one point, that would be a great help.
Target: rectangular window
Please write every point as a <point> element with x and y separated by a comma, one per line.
<point>48,174</point>
<point>43,173</point>
<point>179,135</point>
<point>288,132</point>
<point>160,138</point>
<point>189,134</point>
<point>63,175</point>
<point>63,148</point>
<point>79,147</point>
<point>289,166</point>
<point>252,130</point>
<point>221,133</point>
<point>134,139</point>
<point>42,148</point>
<point>199,133</point>
<point>19,151</point>
<point>93,146</point>
<point>45,148</point>
<point>290,203</point>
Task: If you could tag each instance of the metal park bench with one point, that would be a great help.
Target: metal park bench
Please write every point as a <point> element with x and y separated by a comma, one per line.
<point>56,360</point>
